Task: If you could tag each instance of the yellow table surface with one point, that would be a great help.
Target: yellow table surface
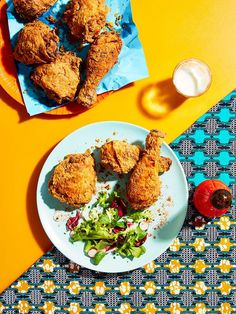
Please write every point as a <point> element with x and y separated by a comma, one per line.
<point>170,31</point>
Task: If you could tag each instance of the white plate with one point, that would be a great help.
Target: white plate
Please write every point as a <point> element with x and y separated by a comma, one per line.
<point>174,186</point>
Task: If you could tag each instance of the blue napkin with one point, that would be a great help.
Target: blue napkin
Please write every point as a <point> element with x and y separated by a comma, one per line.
<point>131,65</point>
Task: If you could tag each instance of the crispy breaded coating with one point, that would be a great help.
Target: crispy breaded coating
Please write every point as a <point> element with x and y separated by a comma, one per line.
<point>164,164</point>
<point>36,44</point>
<point>74,179</point>
<point>85,18</point>
<point>102,56</point>
<point>29,10</point>
<point>60,78</point>
<point>119,156</point>
<point>144,184</point>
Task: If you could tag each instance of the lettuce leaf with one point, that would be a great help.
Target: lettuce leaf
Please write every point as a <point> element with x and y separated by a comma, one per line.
<point>98,257</point>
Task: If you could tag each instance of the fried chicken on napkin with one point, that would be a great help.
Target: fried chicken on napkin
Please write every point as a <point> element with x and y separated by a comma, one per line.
<point>36,44</point>
<point>60,78</point>
<point>85,18</point>
<point>74,179</point>
<point>29,10</point>
<point>144,184</point>
<point>102,56</point>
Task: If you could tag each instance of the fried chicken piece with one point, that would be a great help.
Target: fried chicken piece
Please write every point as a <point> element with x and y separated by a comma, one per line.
<point>85,18</point>
<point>144,184</point>
<point>164,164</point>
<point>102,56</point>
<point>122,157</point>
<point>36,43</point>
<point>119,156</point>
<point>29,10</point>
<point>74,179</point>
<point>60,78</point>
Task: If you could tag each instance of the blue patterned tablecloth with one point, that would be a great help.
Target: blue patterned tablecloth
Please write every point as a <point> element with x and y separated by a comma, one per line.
<point>197,274</point>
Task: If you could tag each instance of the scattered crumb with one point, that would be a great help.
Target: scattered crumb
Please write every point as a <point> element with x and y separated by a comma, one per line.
<point>108,139</point>
<point>118,18</point>
<point>60,215</point>
<point>62,48</point>
<point>57,31</point>
<point>51,19</point>
<point>114,133</point>
<point>163,216</point>
<point>199,222</point>
<point>97,140</point>
<point>107,187</point>
<point>154,237</point>
<point>73,267</point>
<point>109,25</point>
<point>169,201</point>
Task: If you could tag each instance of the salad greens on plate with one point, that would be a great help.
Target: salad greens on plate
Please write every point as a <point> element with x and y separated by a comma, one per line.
<point>110,226</point>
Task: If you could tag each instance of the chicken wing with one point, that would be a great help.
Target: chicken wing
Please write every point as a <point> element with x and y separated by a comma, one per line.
<point>119,156</point>
<point>60,78</point>
<point>102,56</point>
<point>85,18</point>
<point>36,43</point>
<point>74,179</point>
<point>144,184</point>
<point>30,10</point>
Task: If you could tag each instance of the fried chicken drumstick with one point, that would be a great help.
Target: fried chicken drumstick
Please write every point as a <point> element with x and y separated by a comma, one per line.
<point>102,56</point>
<point>119,156</point>
<point>144,184</point>
<point>74,179</point>
<point>29,10</point>
<point>36,43</point>
<point>85,18</point>
<point>60,78</point>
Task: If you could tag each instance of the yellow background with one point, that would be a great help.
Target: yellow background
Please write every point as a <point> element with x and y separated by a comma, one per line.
<point>170,31</point>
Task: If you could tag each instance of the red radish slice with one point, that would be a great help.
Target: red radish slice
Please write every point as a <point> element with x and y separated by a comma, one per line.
<point>117,229</point>
<point>140,242</point>
<point>144,225</point>
<point>92,252</point>
<point>109,248</point>
<point>130,224</point>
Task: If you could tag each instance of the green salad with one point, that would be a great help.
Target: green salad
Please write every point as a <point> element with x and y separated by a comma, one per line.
<point>110,226</point>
